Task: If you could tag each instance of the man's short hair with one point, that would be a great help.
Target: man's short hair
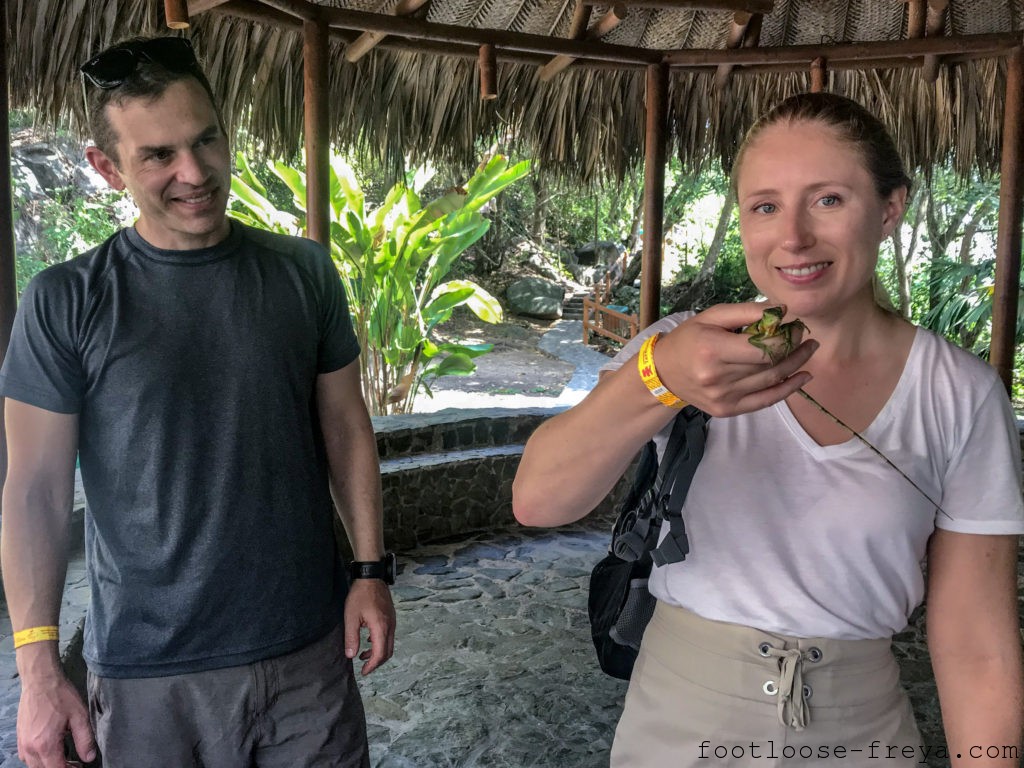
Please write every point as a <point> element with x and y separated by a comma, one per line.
<point>148,79</point>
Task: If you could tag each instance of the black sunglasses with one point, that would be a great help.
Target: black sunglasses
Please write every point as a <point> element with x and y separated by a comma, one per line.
<point>112,67</point>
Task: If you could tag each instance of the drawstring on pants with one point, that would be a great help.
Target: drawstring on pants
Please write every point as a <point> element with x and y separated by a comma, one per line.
<point>793,710</point>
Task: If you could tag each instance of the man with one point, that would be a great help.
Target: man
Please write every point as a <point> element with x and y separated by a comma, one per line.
<point>206,375</point>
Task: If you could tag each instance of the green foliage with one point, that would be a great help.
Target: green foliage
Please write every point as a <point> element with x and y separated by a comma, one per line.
<point>69,224</point>
<point>393,260</point>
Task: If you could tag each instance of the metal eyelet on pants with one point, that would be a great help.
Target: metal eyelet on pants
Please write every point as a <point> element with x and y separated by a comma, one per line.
<point>807,691</point>
<point>765,649</point>
<point>814,654</point>
<point>770,687</point>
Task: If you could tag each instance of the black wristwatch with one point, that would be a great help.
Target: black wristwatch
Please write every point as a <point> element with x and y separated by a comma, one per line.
<point>384,569</point>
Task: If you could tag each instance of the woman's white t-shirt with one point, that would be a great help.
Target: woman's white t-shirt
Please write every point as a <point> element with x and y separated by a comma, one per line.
<point>796,538</point>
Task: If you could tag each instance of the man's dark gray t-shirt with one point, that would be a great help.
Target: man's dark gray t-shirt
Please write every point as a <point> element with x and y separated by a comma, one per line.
<point>209,531</point>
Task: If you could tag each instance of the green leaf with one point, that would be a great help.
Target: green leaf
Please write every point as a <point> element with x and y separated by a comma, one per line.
<point>457,364</point>
<point>295,181</point>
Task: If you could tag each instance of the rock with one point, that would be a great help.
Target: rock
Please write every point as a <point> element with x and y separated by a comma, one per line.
<point>50,166</point>
<point>26,185</point>
<point>536,297</point>
<point>599,252</point>
<point>537,262</point>
<point>87,180</point>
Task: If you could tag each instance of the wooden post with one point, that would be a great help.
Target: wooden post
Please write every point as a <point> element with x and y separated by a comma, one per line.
<point>818,75</point>
<point>654,193</point>
<point>176,13</point>
<point>8,280</point>
<point>488,65</point>
<point>318,147</point>
<point>1011,210</point>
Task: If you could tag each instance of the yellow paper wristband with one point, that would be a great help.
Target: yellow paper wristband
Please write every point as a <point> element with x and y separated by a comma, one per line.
<point>649,374</point>
<point>35,635</point>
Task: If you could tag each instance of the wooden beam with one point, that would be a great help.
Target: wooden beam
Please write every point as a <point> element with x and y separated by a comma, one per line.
<point>1006,291</point>
<point>743,29</point>
<point>8,279</point>
<point>655,151</point>
<point>997,44</point>
<point>488,67</point>
<point>580,20</point>
<point>315,80</point>
<point>916,11</point>
<point>936,23</point>
<point>738,29</point>
<point>818,75</point>
<point>176,14</point>
<point>605,24</point>
<point>342,18</point>
<point>195,7</point>
<point>251,10</point>
<point>366,41</point>
<point>934,27</point>
<point>750,6</point>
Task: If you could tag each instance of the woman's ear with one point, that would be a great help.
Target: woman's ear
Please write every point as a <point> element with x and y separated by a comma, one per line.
<point>892,212</point>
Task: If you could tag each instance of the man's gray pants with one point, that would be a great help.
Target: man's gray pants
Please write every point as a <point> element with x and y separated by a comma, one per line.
<point>301,710</point>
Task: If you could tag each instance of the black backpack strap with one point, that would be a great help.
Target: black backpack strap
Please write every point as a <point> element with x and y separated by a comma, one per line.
<point>636,529</point>
<point>675,546</point>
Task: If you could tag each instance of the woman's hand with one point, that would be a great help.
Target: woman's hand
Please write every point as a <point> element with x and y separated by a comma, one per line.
<point>706,363</point>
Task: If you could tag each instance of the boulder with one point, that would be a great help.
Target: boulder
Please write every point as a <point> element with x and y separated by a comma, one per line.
<point>87,180</point>
<point>50,166</point>
<point>536,297</point>
<point>598,252</point>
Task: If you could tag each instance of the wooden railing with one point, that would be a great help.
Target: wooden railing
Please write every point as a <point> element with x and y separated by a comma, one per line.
<point>607,322</point>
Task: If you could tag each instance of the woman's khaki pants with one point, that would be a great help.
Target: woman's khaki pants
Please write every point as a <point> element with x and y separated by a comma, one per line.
<point>707,693</point>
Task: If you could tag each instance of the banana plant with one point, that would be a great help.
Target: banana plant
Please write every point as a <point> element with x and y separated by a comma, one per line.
<point>394,260</point>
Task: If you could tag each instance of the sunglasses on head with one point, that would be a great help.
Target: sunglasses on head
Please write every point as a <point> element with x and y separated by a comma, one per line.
<point>115,65</point>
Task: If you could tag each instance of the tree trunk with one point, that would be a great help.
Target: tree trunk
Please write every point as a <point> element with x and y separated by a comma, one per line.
<point>539,220</point>
<point>694,293</point>
<point>968,239</point>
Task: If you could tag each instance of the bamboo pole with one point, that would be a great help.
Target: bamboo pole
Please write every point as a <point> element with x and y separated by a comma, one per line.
<point>1011,210</point>
<point>488,66</point>
<point>655,146</point>
<point>818,75</point>
<point>315,52</point>
<point>176,14</point>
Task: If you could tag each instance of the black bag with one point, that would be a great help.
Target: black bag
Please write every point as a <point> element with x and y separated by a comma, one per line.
<point>620,604</point>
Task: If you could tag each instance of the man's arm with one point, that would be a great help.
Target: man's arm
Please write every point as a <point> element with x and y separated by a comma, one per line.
<point>355,486</point>
<point>974,641</point>
<point>37,500</point>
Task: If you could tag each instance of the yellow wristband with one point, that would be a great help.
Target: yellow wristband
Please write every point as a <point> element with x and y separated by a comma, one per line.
<point>35,635</point>
<point>645,364</point>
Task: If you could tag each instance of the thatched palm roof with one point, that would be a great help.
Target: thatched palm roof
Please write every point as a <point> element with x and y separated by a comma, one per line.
<point>585,122</point>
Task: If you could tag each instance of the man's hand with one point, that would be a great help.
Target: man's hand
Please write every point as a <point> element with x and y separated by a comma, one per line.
<point>705,362</point>
<point>369,605</point>
<point>50,708</point>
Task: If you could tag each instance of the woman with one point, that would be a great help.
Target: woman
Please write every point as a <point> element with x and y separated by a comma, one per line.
<point>771,642</point>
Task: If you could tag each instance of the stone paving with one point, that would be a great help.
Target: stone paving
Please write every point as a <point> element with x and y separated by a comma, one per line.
<point>493,665</point>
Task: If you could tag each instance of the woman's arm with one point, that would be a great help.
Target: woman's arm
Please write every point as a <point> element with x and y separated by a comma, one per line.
<point>975,644</point>
<point>573,460</point>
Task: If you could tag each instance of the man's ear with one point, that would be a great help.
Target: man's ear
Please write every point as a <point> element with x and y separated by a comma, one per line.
<point>105,167</point>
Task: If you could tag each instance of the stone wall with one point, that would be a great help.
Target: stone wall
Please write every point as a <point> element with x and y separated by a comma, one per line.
<point>448,474</point>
